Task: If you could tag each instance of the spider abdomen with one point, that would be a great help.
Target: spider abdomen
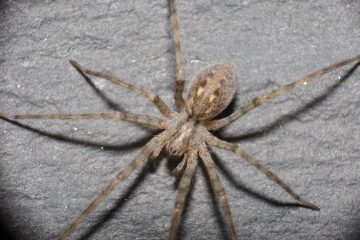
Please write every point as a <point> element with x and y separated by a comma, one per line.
<point>211,91</point>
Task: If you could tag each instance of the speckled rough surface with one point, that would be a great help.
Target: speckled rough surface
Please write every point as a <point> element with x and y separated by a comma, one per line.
<point>309,136</point>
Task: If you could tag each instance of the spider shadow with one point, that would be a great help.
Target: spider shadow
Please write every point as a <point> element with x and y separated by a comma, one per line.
<point>86,144</point>
<point>148,167</point>
<point>96,145</point>
<point>112,105</point>
<point>171,165</point>
<point>109,103</point>
<point>181,232</point>
<point>285,119</point>
<point>89,144</point>
<point>220,217</point>
<point>249,191</point>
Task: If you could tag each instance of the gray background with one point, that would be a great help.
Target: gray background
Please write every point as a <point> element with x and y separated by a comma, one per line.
<point>309,136</point>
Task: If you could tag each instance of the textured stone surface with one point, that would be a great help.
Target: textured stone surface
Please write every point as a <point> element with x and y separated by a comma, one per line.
<point>309,136</point>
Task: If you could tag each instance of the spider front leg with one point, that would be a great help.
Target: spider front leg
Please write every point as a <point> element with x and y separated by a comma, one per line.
<point>212,140</point>
<point>218,124</point>
<point>164,109</point>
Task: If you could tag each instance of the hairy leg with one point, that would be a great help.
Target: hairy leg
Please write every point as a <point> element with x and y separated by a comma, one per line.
<point>180,75</point>
<point>212,140</point>
<point>121,176</point>
<point>216,184</point>
<point>164,109</point>
<point>183,191</point>
<point>218,124</point>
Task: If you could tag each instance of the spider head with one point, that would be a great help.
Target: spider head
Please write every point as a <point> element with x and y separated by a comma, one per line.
<point>211,91</point>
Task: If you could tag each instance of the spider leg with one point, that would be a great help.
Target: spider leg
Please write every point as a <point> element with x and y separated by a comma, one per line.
<point>215,125</point>
<point>152,121</point>
<point>164,109</point>
<point>121,176</point>
<point>183,191</point>
<point>216,184</point>
<point>157,151</point>
<point>212,140</point>
<point>180,167</point>
<point>180,75</point>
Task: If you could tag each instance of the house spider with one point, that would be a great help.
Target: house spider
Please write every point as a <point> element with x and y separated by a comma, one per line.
<point>200,122</point>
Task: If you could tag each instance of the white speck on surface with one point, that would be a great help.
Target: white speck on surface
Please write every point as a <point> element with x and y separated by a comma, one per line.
<point>26,64</point>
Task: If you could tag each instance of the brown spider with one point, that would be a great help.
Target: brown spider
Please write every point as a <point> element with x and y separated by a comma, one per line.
<point>186,133</point>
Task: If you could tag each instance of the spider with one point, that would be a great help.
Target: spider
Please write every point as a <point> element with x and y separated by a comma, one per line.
<point>187,133</point>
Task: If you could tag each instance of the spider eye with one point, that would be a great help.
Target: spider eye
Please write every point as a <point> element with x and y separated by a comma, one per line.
<point>211,91</point>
